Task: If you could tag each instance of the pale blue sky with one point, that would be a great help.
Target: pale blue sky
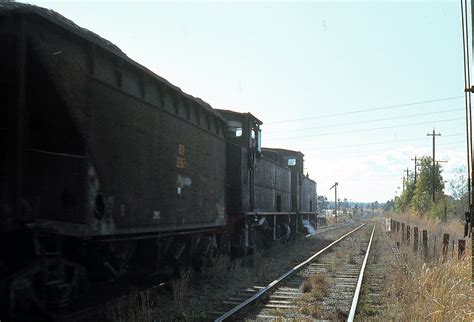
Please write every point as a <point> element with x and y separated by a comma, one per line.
<point>284,61</point>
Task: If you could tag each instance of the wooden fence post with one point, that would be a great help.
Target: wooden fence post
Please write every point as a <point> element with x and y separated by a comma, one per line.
<point>398,227</point>
<point>415,239</point>
<point>408,235</point>
<point>445,246</point>
<point>425,244</point>
<point>461,248</point>
<point>403,231</point>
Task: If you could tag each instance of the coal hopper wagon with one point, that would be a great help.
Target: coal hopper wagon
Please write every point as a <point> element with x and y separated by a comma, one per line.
<point>107,169</point>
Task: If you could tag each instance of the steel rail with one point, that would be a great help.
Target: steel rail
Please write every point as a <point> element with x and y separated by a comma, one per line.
<point>274,213</point>
<point>355,299</point>
<point>326,229</point>
<point>276,282</point>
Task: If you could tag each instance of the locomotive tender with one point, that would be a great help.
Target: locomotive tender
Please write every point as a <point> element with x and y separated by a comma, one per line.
<point>107,168</point>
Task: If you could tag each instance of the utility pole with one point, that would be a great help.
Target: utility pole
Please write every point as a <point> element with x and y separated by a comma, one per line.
<point>403,183</point>
<point>468,89</point>
<point>433,175</point>
<point>437,164</point>
<point>335,197</point>
<point>407,178</point>
<point>416,165</point>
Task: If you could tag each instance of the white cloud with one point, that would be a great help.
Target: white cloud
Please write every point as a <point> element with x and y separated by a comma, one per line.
<point>370,177</point>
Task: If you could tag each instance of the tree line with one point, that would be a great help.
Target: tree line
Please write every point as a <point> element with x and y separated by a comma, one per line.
<point>418,192</point>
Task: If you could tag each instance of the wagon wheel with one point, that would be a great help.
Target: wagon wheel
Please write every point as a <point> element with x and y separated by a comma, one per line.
<point>214,254</point>
<point>46,285</point>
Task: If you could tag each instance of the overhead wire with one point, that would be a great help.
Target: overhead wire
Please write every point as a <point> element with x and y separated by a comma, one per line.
<point>366,130</point>
<point>371,152</point>
<point>379,151</point>
<point>374,120</point>
<point>378,143</point>
<point>366,110</point>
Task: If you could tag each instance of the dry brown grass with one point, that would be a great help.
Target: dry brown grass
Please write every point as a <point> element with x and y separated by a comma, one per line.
<point>352,260</point>
<point>218,273</point>
<point>180,290</point>
<point>436,228</point>
<point>260,265</point>
<point>453,227</point>
<point>315,288</point>
<point>137,306</point>
<point>310,309</point>
<point>438,292</point>
<point>435,290</point>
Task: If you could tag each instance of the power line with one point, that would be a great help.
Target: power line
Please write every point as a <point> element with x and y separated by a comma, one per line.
<point>374,152</point>
<point>376,143</point>
<point>375,120</point>
<point>332,147</point>
<point>396,175</point>
<point>367,130</point>
<point>367,110</point>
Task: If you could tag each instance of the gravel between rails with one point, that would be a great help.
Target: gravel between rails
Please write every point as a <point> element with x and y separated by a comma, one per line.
<point>381,264</point>
<point>323,290</point>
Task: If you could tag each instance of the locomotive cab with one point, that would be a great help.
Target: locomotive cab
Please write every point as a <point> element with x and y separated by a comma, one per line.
<point>244,129</point>
<point>243,150</point>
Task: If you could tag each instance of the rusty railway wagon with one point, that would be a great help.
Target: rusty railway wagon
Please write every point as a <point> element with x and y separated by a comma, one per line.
<point>108,169</point>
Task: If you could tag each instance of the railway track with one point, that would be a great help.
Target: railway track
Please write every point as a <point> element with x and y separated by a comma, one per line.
<point>102,305</point>
<point>339,279</point>
<point>110,295</point>
<point>338,265</point>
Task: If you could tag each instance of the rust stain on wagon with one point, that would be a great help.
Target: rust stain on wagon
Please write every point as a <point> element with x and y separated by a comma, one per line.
<point>181,160</point>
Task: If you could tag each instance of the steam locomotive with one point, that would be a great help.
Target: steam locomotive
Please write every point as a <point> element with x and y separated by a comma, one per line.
<point>107,168</point>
